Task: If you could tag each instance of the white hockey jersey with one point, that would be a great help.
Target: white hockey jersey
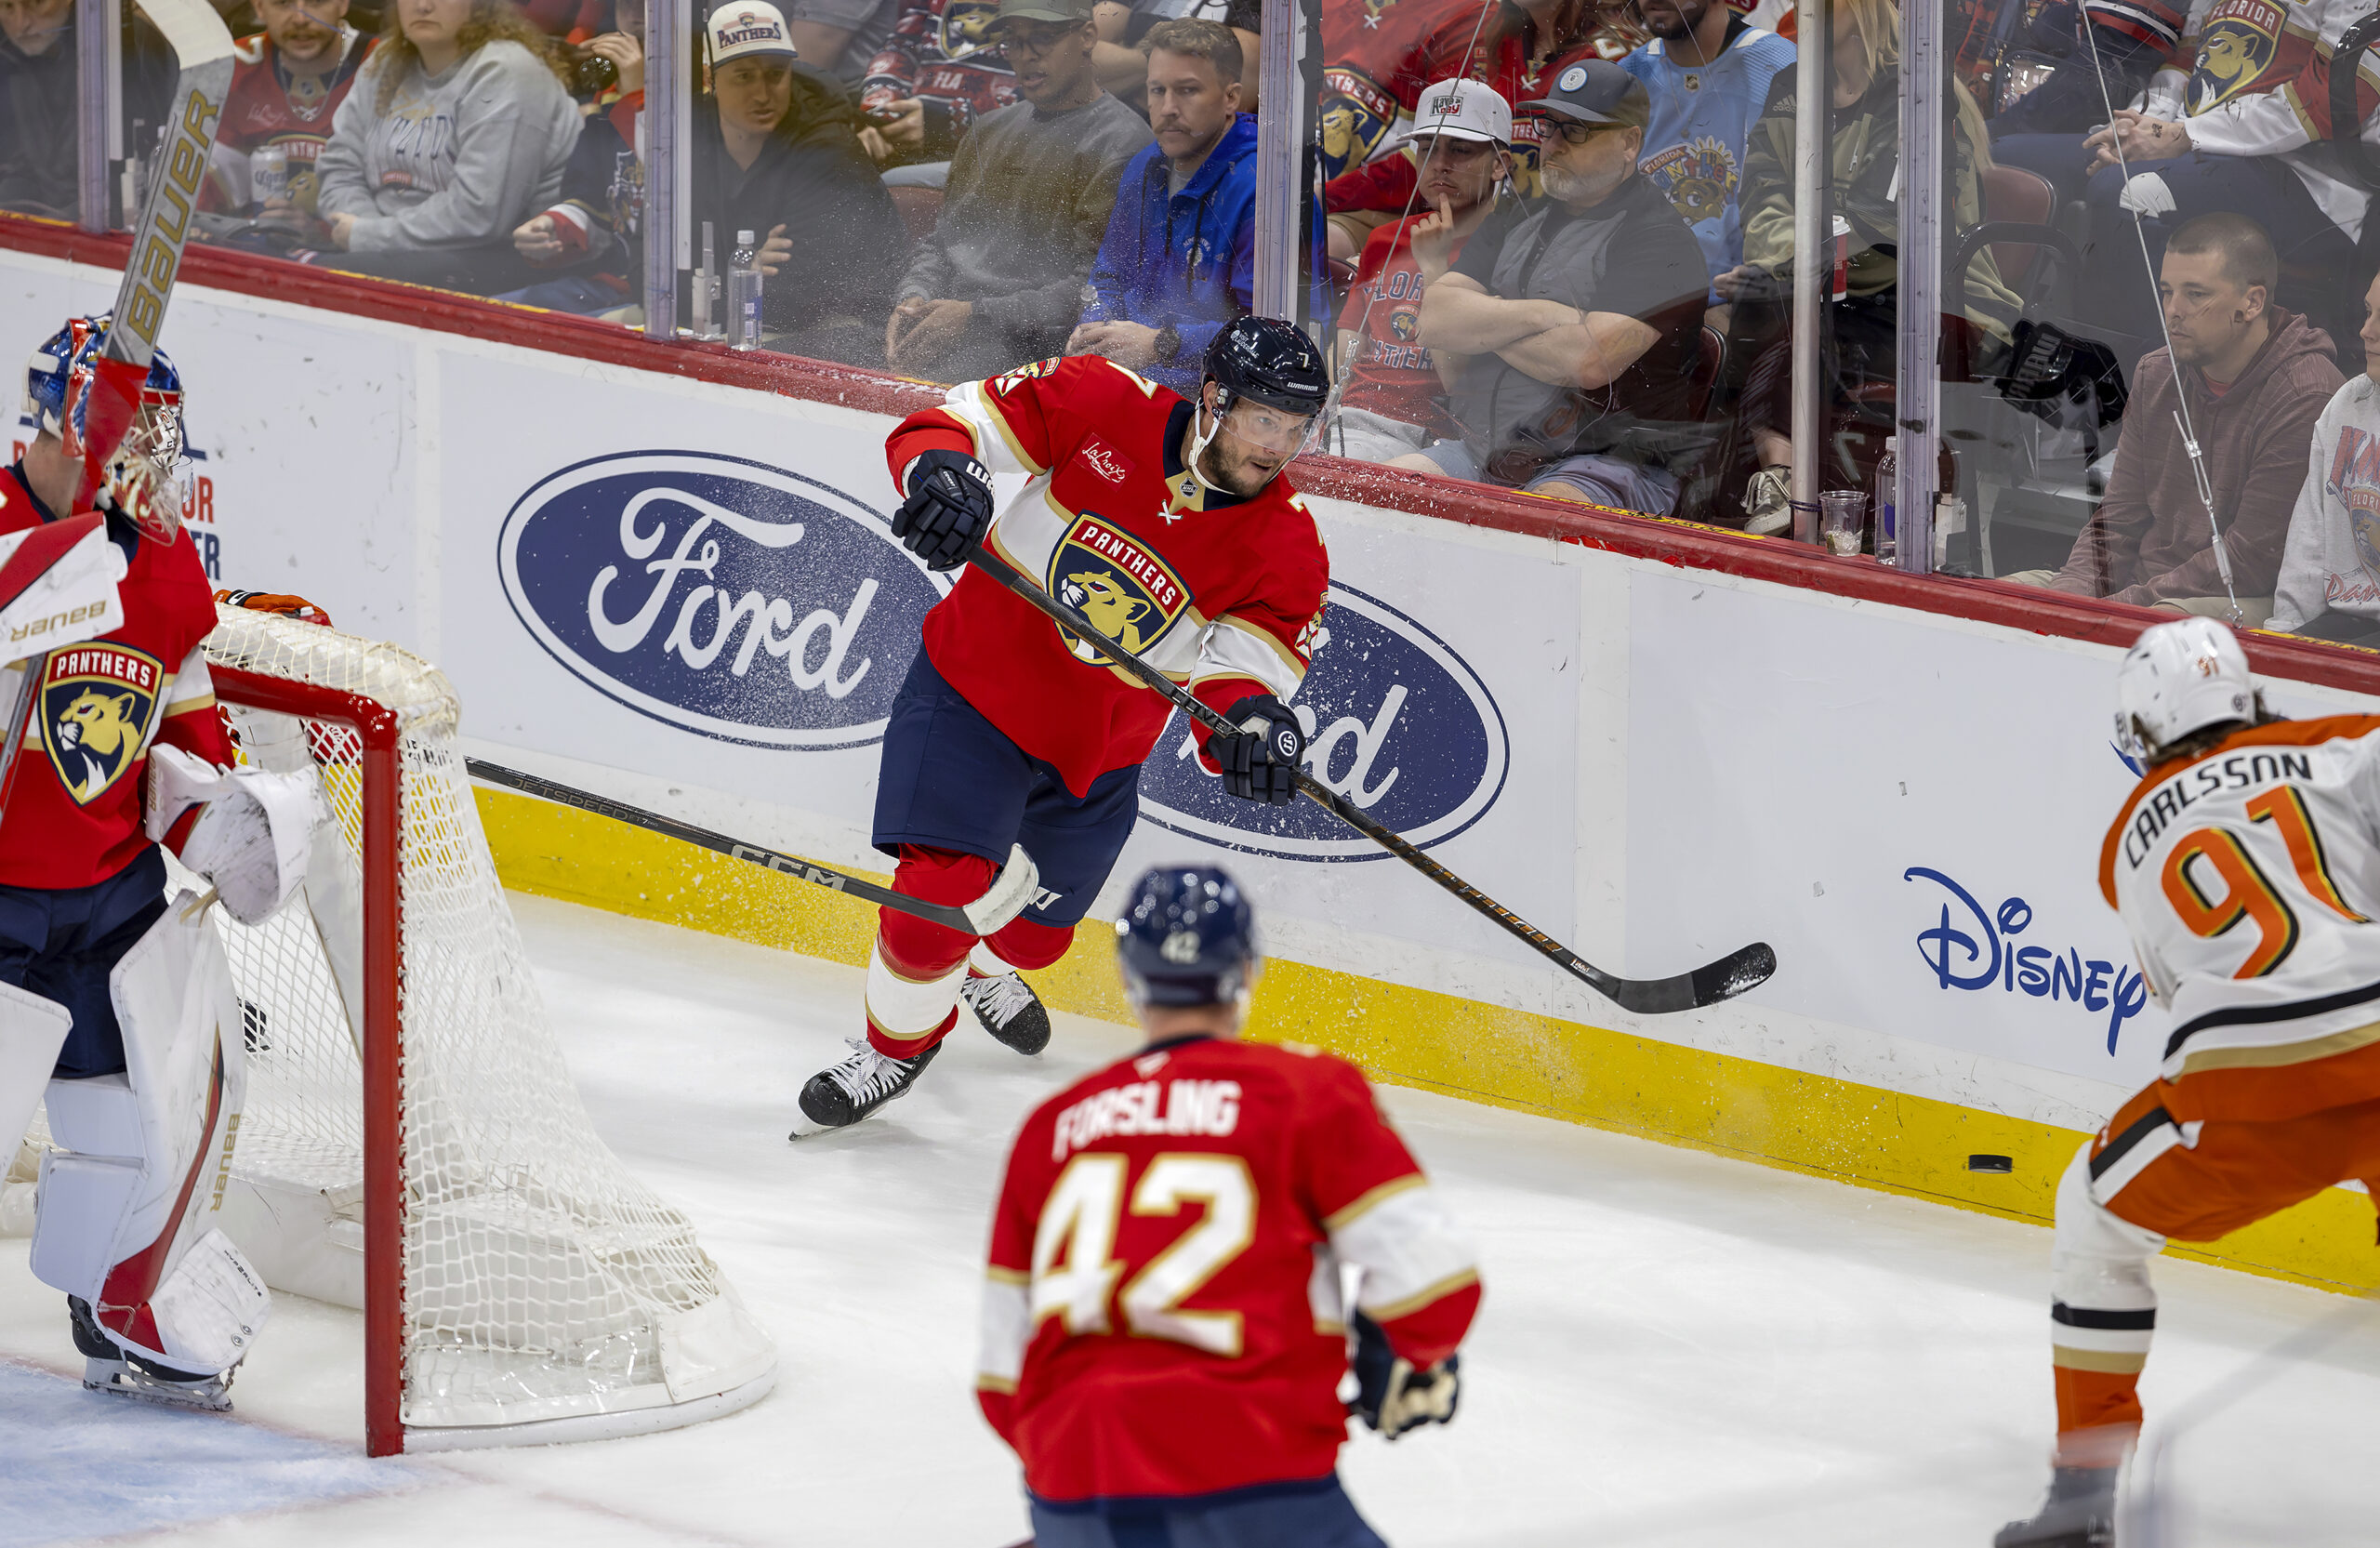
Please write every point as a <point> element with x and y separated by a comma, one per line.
<point>2248,878</point>
<point>2259,84</point>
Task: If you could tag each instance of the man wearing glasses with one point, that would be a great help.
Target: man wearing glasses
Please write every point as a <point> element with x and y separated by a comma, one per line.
<point>1000,281</point>
<point>1570,324</point>
<point>1395,400</point>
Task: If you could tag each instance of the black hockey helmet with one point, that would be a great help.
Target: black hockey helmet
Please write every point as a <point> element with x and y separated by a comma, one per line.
<point>1269,362</point>
<point>1187,937</point>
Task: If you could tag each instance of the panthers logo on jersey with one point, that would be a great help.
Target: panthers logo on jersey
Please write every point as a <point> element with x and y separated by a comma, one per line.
<point>2236,45</point>
<point>1128,594</point>
<point>967,27</point>
<point>1031,371</point>
<point>1357,115</point>
<point>1696,176</point>
<point>97,702</point>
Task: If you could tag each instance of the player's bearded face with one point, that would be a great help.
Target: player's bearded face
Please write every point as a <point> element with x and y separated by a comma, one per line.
<point>1251,444</point>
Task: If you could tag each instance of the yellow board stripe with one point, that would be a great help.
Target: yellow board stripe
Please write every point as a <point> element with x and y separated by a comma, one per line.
<point>1536,1064</point>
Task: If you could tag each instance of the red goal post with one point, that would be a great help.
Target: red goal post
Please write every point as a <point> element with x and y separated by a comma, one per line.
<point>517,1284</point>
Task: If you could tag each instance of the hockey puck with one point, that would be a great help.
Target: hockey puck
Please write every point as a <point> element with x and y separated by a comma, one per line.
<point>1991,1163</point>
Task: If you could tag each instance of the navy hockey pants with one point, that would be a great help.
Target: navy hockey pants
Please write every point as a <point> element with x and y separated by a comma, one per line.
<point>61,944</point>
<point>951,779</point>
<point>1314,1514</point>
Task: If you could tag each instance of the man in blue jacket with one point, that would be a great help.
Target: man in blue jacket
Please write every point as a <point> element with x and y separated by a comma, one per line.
<point>1178,261</point>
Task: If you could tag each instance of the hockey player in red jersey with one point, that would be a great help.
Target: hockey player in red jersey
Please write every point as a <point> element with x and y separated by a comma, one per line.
<point>1164,1328</point>
<point>2246,867</point>
<point>113,999</point>
<point>1168,524</point>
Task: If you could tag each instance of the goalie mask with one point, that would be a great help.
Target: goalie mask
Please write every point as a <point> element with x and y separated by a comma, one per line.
<point>141,475</point>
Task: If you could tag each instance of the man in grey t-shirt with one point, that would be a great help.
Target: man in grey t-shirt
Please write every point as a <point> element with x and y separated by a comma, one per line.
<point>999,282</point>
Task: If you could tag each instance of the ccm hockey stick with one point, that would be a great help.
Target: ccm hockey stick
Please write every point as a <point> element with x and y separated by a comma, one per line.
<point>1010,893</point>
<point>1724,979</point>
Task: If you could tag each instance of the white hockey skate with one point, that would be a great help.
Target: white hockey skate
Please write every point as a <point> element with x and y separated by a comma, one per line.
<point>107,1367</point>
<point>843,1093</point>
<point>1009,1009</point>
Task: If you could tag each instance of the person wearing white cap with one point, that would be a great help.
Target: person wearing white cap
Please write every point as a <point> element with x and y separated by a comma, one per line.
<point>772,157</point>
<point>1394,401</point>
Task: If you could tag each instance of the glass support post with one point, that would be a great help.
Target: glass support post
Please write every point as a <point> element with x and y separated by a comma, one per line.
<point>1917,393</point>
<point>1813,251</point>
<point>668,106</point>
<point>94,111</point>
<point>1280,147</point>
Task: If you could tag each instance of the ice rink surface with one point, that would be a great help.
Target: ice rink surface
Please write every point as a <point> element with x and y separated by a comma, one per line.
<point>1676,1348</point>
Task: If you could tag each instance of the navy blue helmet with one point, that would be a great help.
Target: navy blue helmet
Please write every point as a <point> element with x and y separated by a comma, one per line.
<point>1269,362</point>
<point>1187,937</point>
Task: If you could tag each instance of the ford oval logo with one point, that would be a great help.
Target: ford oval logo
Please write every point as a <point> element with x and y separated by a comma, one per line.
<point>1395,721</point>
<point>724,596</point>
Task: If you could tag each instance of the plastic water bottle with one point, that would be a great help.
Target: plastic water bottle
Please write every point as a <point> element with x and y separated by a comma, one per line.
<point>704,303</point>
<point>1887,473</point>
<point>744,294</point>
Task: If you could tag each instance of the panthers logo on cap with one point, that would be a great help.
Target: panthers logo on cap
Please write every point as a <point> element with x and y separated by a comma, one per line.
<point>1128,594</point>
<point>96,705</point>
<point>1572,78</point>
<point>2236,45</point>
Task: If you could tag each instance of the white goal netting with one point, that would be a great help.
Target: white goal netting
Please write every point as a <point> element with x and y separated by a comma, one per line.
<point>542,1281</point>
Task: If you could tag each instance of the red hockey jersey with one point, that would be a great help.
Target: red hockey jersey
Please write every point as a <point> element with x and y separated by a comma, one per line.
<point>1217,592</point>
<point>74,801</point>
<point>1163,1311</point>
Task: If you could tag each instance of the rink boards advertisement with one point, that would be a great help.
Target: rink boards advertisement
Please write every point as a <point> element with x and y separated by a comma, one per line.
<point>686,595</point>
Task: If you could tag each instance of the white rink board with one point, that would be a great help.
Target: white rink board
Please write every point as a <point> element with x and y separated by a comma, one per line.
<point>1655,764</point>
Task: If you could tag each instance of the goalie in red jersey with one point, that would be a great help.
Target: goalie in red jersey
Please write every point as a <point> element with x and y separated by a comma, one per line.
<point>114,999</point>
<point>1166,521</point>
<point>1164,1329</point>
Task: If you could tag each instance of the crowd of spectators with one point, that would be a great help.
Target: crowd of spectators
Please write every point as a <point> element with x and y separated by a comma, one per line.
<point>1553,240</point>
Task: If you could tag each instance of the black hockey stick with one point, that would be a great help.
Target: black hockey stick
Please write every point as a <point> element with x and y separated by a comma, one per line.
<point>1007,897</point>
<point>1724,979</point>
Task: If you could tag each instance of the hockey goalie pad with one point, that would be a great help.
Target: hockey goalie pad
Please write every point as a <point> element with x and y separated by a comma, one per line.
<point>129,1201</point>
<point>31,1031</point>
<point>251,840</point>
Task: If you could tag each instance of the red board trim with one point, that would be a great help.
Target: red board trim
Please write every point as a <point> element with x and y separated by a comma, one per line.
<point>1668,542</point>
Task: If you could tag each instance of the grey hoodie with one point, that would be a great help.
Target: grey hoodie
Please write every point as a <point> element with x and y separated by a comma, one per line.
<point>457,161</point>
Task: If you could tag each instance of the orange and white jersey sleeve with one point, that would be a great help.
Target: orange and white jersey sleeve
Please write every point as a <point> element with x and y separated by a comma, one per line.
<point>2248,878</point>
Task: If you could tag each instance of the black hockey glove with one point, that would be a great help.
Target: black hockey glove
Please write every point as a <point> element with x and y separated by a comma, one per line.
<point>1259,760</point>
<point>949,511</point>
<point>1391,1396</point>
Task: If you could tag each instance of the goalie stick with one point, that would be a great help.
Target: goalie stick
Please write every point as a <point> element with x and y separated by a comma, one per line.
<point>1009,894</point>
<point>201,46</point>
<point>1724,979</point>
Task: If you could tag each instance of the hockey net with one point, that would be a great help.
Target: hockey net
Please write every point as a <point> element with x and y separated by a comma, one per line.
<point>412,1141</point>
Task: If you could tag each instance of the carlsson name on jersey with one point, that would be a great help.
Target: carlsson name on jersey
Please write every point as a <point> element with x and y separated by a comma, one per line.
<point>1130,594</point>
<point>1180,1107</point>
<point>2179,794</point>
<point>97,702</point>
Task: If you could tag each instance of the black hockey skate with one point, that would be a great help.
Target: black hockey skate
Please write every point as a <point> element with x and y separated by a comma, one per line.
<point>109,1366</point>
<point>1009,1009</point>
<point>2079,1513</point>
<point>842,1095</point>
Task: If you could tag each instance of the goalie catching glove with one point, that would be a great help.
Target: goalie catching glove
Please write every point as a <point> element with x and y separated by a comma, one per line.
<point>1259,760</point>
<point>251,839</point>
<point>949,511</point>
<point>1391,1396</point>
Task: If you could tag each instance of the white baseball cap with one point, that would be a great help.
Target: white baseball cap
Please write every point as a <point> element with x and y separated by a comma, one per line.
<point>744,27</point>
<point>1462,109</point>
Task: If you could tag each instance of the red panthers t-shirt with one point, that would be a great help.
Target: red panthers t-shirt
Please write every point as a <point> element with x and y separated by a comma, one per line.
<point>1390,372</point>
<point>74,810</point>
